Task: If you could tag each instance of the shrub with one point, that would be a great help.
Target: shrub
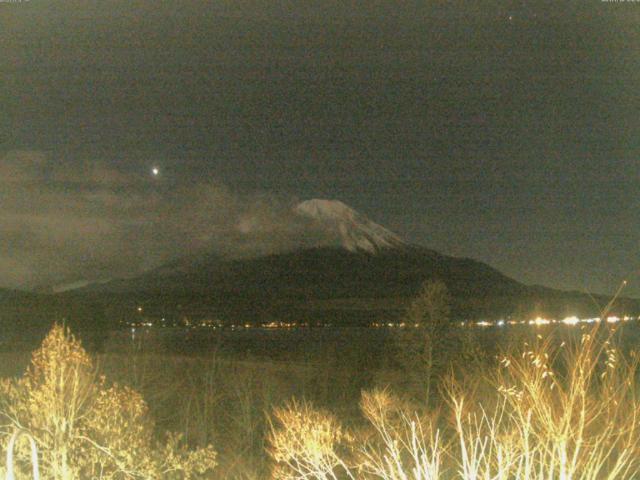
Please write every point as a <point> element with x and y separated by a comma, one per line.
<point>306,443</point>
<point>85,427</point>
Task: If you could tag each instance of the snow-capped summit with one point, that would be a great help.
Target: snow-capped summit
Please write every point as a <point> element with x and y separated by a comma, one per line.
<point>353,230</point>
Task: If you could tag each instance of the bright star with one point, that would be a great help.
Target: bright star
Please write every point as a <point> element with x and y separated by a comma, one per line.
<point>155,171</point>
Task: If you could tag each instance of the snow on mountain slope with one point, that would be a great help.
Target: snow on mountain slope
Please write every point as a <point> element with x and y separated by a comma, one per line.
<point>351,229</point>
<point>65,287</point>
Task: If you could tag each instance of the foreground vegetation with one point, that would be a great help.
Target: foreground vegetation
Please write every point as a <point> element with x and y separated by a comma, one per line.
<point>544,407</point>
<point>85,427</point>
<point>563,412</point>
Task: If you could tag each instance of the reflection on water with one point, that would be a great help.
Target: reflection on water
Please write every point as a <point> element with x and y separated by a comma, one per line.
<point>311,343</point>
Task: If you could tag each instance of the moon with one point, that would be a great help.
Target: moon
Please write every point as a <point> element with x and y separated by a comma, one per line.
<point>155,171</point>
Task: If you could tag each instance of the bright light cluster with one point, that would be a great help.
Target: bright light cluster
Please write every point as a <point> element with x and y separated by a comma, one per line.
<point>539,321</point>
<point>536,322</point>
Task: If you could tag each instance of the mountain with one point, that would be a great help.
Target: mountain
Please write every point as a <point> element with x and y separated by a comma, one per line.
<point>9,295</point>
<point>361,273</point>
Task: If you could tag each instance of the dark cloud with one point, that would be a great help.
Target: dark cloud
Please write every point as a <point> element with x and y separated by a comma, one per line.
<point>62,223</point>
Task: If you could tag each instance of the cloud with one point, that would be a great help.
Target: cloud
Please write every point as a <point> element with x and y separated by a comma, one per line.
<point>63,223</point>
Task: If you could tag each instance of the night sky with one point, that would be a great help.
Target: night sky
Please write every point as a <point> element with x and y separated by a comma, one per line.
<point>508,132</point>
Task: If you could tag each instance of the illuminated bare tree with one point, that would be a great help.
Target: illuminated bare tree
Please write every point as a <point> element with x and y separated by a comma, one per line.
<point>423,345</point>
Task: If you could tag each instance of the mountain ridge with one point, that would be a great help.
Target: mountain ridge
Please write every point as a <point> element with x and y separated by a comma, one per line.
<point>362,274</point>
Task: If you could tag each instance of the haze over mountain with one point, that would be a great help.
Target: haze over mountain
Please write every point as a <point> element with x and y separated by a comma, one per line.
<point>309,224</point>
<point>346,268</point>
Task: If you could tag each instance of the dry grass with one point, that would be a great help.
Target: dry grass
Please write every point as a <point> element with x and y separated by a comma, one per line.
<point>547,411</point>
<point>307,443</point>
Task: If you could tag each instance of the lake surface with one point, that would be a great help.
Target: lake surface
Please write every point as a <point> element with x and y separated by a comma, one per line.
<point>309,344</point>
<point>318,343</point>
